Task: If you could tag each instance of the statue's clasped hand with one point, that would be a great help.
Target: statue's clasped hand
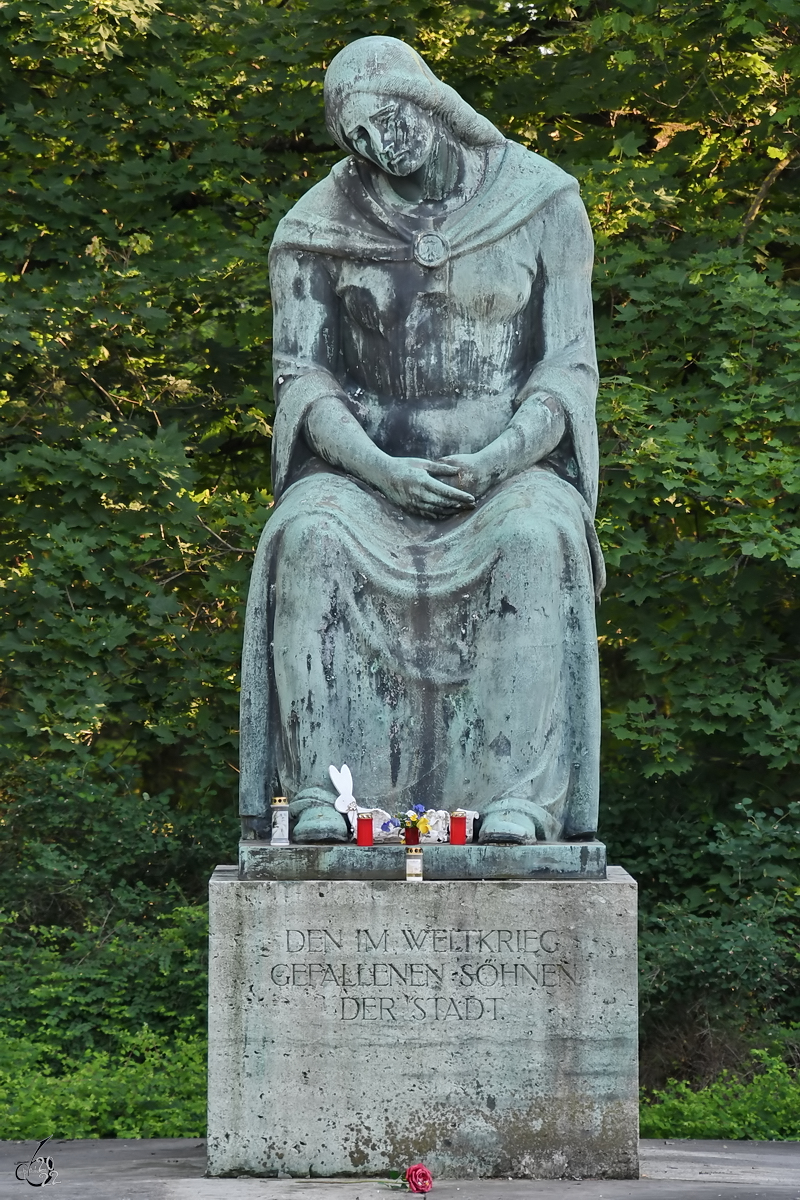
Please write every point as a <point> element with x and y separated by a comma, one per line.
<point>418,485</point>
<point>473,472</point>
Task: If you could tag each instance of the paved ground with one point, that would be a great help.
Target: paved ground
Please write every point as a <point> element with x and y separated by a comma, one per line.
<point>172,1169</point>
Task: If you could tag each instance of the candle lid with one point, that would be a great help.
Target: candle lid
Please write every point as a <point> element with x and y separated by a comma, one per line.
<point>413,849</point>
<point>279,800</point>
<point>458,812</point>
<point>365,816</point>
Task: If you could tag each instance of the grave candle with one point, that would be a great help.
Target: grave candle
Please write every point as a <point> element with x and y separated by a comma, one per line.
<point>280,821</point>
<point>414,864</point>
<point>458,827</point>
<point>364,829</point>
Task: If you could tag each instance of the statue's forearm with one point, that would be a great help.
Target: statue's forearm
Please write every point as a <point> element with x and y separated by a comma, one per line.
<point>335,435</point>
<point>534,432</point>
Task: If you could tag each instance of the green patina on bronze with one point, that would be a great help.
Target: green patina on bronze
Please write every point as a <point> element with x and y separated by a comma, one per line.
<point>422,601</point>
<point>561,860</point>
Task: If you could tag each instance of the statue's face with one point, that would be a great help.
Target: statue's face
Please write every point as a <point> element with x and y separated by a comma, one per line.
<point>394,134</point>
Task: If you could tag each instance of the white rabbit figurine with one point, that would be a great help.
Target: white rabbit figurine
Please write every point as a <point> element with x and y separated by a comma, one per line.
<point>343,782</point>
<point>346,803</point>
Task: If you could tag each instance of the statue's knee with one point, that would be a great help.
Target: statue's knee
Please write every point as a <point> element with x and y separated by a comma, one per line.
<point>531,538</point>
<point>311,534</point>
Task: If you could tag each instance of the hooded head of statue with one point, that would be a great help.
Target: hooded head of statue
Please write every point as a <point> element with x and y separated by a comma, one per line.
<point>383,103</point>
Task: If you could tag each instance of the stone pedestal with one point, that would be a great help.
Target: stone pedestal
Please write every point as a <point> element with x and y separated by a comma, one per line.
<point>544,860</point>
<point>486,1028</point>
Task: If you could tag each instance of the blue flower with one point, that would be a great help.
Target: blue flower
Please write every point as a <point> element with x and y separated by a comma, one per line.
<point>386,826</point>
<point>419,808</point>
<point>395,822</point>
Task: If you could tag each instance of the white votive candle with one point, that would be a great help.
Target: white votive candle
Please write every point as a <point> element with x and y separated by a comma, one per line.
<point>414,864</point>
<point>280,821</point>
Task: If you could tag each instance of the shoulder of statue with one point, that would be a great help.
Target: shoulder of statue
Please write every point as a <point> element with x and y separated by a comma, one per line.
<point>519,184</point>
<point>337,217</point>
<point>534,172</point>
<point>313,206</point>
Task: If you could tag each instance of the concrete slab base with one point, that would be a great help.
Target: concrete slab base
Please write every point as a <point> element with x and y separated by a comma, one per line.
<point>172,1169</point>
<point>487,1028</point>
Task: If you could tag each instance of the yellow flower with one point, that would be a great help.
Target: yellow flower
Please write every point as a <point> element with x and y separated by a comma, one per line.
<point>414,817</point>
<point>424,825</point>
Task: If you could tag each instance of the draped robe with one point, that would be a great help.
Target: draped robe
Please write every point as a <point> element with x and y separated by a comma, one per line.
<point>449,662</point>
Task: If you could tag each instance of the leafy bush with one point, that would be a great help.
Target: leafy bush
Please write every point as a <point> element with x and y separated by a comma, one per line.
<point>721,963</point>
<point>103,956</point>
<point>746,911</point>
<point>765,1107</point>
<point>152,1087</point>
<point>104,923</point>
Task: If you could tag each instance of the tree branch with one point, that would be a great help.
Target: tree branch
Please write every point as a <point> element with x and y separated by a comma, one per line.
<point>761,195</point>
<point>235,549</point>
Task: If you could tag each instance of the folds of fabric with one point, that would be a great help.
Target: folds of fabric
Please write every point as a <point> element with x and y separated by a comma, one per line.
<point>449,663</point>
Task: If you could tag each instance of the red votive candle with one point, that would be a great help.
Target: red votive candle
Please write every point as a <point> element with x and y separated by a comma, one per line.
<point>364,829</point>
<point>411,835</point>
<point>458,828</point>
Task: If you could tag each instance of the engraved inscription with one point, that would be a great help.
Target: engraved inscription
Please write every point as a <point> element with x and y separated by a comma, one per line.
<point>438,975</point>
<point>419,1008</point>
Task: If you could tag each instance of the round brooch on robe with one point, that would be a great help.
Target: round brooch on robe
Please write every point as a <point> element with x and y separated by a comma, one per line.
<point>431,249</point>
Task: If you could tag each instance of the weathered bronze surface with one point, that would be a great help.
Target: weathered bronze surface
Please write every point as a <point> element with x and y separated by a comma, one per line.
<point>547,860</point>
<point>422,602</point>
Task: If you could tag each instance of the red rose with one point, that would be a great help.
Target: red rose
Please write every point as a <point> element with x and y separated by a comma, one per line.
<point>419,1178</point>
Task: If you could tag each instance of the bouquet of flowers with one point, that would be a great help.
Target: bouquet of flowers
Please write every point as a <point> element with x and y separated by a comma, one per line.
<point>414,819</point>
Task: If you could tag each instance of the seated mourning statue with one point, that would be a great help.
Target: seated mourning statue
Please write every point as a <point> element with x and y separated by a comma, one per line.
<point>422,605</point>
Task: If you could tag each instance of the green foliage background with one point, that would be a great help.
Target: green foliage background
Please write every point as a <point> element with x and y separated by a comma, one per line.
<point>148,151</point>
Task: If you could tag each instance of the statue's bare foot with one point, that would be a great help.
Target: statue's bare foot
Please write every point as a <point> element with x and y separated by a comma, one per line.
<point>517,821</point>
<point>320,823</point>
